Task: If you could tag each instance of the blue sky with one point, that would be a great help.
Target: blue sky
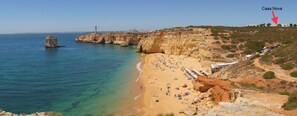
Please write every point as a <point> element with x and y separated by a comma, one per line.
<point>19,16</point>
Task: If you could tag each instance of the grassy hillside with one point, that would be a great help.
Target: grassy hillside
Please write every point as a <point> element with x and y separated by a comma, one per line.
<point>247,74</point>
<point>285,56</point>
<point>252,39</point>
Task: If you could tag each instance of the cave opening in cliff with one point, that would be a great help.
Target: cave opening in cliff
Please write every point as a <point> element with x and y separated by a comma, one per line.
<point>103,40</point>
<point>140,49</point>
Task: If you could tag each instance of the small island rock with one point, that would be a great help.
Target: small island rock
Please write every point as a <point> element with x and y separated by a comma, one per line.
<point>51,42</point>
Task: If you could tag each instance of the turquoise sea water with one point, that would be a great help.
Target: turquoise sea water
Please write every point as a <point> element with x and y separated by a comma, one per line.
<point>79,79</point>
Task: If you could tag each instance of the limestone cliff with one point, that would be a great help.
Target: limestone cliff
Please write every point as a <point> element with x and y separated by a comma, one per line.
<point>119,38</point>
<point>196,42</point>
<point>221,90</point>
<point>190,41</point>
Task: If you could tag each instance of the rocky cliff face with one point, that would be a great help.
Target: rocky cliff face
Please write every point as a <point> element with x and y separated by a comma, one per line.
<point>252,103</point>
<point>119,38</point>
<point>221,90</point>
<point>51,42</point>
<point>190,41</point>
<point>196,42</point>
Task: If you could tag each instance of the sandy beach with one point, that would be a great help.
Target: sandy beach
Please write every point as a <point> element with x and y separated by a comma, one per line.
<point>165,87</point>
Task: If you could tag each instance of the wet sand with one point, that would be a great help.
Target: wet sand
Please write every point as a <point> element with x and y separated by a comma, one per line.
<point>134,101</point>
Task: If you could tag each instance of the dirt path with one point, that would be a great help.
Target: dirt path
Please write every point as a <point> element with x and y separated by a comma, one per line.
<point>279,73</point>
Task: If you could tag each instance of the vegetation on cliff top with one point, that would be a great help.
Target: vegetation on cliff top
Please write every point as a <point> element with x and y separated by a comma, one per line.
<point>257,34</point>
<point>252,39</point>
<point>285,56</point>
<point>285,93</point>
<point>292,102</point>
<point>293,74</point>
<point>269,75</point>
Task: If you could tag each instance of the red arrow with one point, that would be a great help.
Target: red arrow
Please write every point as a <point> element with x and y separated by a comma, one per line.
<point>275,18</point>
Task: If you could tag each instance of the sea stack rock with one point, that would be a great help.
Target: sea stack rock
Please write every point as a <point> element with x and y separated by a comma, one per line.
<point>51,42</point>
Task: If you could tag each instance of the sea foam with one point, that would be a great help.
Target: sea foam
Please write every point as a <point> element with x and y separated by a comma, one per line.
<point>138,67</point>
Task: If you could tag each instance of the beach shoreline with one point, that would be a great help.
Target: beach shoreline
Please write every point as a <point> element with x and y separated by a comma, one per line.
<point>134,102</point>
<point>140,101</point>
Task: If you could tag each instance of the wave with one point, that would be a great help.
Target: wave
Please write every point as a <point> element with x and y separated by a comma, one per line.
<point>138,67</point>
<point>135,98</point>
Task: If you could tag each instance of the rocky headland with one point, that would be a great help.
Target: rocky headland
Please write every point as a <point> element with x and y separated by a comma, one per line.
<point>196,42</point>
<point>117,38</point>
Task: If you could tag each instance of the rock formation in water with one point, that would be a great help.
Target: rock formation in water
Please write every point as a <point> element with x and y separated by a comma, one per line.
<point>118,38</point>
<point>51,42</point>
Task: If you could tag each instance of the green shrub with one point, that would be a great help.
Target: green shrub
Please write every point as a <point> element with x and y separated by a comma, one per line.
<point>285,93</point>
<point>217,42</point>
<point>291,103</point>
<point>230,56</point>
<point>225,47</point>
<point>287,66</point>
<point>280,61</point>
<point>293,74</point>
<point>269,75</point>
<point>261,88</point>
<point>266,58</point>
<point>254,46</point>
<point>233,46</point>
<point>282,51</point>
<point>248,85</point>
<point>159,114</point>
<point>214,33</point>
<point>224,37</point>
<point>247,51</point>
<point>170,114</point>
<point>286,41</point>
<point>234,42</point>
<point>230,48</point>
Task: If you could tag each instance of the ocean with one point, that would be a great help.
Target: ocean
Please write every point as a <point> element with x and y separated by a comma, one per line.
<point>78,79</point>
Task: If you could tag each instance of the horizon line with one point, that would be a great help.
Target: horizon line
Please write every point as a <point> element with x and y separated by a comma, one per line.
<point>123,30</point>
